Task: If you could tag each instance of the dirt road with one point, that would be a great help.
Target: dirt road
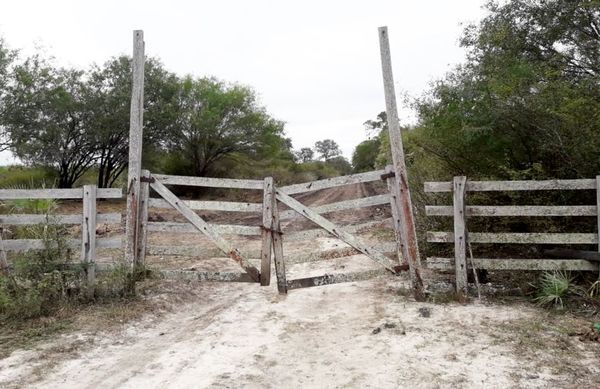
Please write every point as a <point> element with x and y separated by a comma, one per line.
<point>367,334</point>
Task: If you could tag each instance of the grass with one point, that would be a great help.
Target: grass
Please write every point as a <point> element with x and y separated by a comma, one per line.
<point>554,289</point>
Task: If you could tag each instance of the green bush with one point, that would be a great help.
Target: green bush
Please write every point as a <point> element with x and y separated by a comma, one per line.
<point>26,177</point>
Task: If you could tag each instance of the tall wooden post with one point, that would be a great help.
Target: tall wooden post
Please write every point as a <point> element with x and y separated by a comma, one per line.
<point>88,237</point>
<point>460,235</point>
<point>135,149</point>
<point>407,234</point>
<point>265,263</point>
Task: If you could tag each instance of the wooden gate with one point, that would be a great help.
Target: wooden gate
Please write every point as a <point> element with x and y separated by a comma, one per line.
<point>328,228</point>
<point>197,224</point>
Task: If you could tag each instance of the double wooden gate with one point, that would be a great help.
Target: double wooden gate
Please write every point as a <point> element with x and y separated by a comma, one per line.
<point>256,266</point>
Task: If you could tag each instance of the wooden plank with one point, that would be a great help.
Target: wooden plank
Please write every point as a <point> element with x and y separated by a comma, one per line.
<point>189,275</point>
<point>319,232</point>
<point>15,194</point>
<point>343,205</point>
<point>143,219</point>
<point>209,182</point>
<point>598,207</point>
<point>489,186</point>
<point>26,219</point>
<point>267,236</point>
<point>332,182</point>
<point>206,229</point>
<point>344,251</point>
<point>400,191</point>
<point>593,256</point>
<point>4,266</point>
<point>517,264</point>
<point>223,229</point>
<point>136,124</point>
<point>336,231</point>
<point>21,245</point>
<point>336,278</point>
<point>230,206</point>
<point>88,237</point>
<point>277,239</point>
<point>460,235</point>
<point>391,183</point>
<point>517,237</point>
<point>516,210</point>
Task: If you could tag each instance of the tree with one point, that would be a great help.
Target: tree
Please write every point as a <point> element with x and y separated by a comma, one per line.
<point>216,120</point>
<point>108,98</point>
<point>340,164</point>
<point>44,115</point>
<point>365,154</point>
<point>327,149</point>
<point>7,56</point>
<point>305,154</point>
<point>526,102</point>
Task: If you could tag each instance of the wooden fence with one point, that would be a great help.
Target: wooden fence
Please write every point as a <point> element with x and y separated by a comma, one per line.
<point>461,237</point>
<point>88,219</point>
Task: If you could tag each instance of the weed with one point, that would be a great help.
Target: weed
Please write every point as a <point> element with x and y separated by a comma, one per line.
<point>553,290</point>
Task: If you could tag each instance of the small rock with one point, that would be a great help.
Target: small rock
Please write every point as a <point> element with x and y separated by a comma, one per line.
<point>389,325</point>
<point>532,376</point>
<point>161,334</point>
<point>376,331</point>
<point>424,312</point>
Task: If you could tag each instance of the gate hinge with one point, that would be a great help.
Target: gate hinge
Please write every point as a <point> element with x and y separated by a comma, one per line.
<point>147,179</point>
<point>387,175</point>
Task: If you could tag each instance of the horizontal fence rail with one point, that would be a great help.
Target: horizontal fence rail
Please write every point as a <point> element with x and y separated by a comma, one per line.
<point>21,194</point>
<point>209,182</point>
<point>459,187</point>
<point>332,182</point>
<point>231,206</point>
<point>23,219</point>
<point>502,186</point>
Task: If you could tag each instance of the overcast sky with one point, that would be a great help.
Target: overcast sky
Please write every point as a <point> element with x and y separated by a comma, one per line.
<point>315,64</point>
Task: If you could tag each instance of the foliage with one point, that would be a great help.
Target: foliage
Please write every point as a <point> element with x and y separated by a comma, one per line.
<point>26,177</point>
<point>340,164</point>
<point>365,154</point>
<point>327,149</point>
<point>305,154</point>
<point>553,290</point>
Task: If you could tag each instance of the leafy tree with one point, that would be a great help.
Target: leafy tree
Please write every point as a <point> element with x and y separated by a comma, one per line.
<point>44,116</point>
<point>7,56</point>
<point>365,154</point>
<point>340,164</point>
<point>215,121</point>
<point>108,98</point>
<point>305,154</point>
<point>526,103</point>
<point>327,149</point>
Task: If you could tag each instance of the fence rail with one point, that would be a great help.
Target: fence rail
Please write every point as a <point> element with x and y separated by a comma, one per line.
<point>461,236</point>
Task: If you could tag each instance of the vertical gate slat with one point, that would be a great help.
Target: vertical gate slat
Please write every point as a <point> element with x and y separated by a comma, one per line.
<point>88,236</point>
<point>265,260</point>
<point>143,218</point>
<point>278,246</point>
<point>460,236</point>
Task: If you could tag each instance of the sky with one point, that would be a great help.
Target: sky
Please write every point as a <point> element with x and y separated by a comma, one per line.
<point>314,64</point>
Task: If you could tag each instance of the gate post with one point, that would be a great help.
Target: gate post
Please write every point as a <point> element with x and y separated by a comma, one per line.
<point>88,237</point>
<point>278,247</point>
<point>460,235</point>
<point>135,149</point>
<point>267,228</point>
<point>142,236</point>
<point>401,191</point>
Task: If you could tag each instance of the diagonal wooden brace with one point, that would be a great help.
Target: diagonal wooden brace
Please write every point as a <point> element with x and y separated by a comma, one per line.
<point>205,228</point>
<point>336,231</point>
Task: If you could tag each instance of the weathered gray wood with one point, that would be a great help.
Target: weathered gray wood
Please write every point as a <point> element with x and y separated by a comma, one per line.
<point>401,191</point>
<point>337,278</point>
<point>319,232</point>
<point>332,182</point>
<point>88,237</point>
<point>21,245</point>
<point>230,206</point>
<point>267,236</point>
<point>517,264</point>
<point>516,210</point>
<point>336,231</point>
<point>344,251</point>
<point>343,205</point>
<point>209,182</point>
<point>488,186</point>
<point>518,238</point>
<point>4,266</point>
<point>26,219</point>
<point>77,193</point>
<point>136,123</point>
<point>391,184</point>
<point>189,275</point>
<point>143,219</point>
<point>277,239</point>
<point>593,256</point>
<point>460,235</point>
<point>206,229</point>
<point>223,229</point>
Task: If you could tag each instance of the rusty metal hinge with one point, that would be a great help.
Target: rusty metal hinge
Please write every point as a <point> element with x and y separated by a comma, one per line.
<point>387,175</point>
<point>147,179</point>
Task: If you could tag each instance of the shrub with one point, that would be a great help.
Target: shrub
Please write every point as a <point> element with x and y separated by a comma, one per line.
<point>554,287</point>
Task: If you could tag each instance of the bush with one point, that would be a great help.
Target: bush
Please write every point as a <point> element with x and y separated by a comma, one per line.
<point>26,177</point>
<point>553,290</point>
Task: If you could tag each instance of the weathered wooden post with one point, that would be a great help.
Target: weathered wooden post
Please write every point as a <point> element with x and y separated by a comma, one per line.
<point>598,207</point>
<point>400,192</point>
<point>267,235</point>
<point>460,235</point>
<point>4,267</point>
<point>88,237</point>
<point>143,217</point>
<point>278,246</point>
<point>135,149</point>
